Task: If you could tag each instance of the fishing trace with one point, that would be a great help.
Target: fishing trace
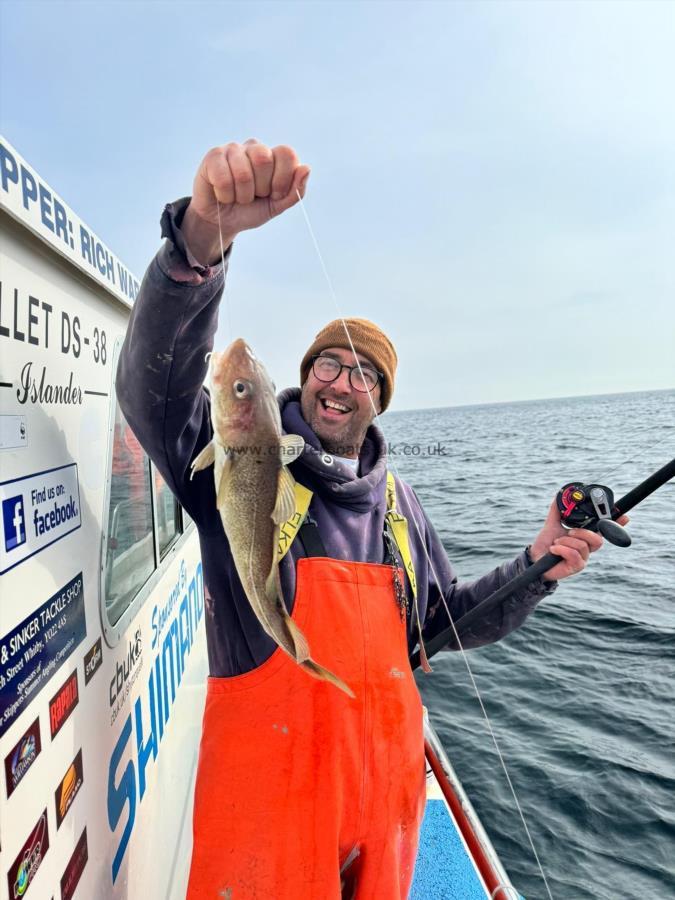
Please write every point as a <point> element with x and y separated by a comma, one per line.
<point>228,323</point>
<point>425,665</point>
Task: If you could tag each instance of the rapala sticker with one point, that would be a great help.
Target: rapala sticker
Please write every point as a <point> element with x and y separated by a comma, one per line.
<point>67,791</point>
<point>92,661</point>
<point>37,648</point>
<point>37,511</point>
<point>75,867</point>
<point>22,756</point>
<point>62,704</point>
<point>25,866</point>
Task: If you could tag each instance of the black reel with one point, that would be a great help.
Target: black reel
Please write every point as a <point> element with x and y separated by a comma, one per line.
<point>591,506</point>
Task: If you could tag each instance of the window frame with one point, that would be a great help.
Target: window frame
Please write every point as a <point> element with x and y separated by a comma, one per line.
<point>113,633</point>
<point>159,553</point>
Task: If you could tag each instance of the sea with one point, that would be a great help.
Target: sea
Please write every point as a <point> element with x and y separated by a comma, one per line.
<point>581,697</point>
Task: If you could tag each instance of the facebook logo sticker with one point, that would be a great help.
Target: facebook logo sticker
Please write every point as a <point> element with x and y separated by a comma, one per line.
<point>14,522</point>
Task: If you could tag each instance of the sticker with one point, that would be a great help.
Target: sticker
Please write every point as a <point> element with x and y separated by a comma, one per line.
<point>67,791</point>
<point>28,861</point>
<point>127,671</point>
<point>92,661</point>
<point>75,868</point>
<point>22,756</point>
<point>13,432</point>
<point>62,704</point>
<point>37,511</point>
<point>37,648</point>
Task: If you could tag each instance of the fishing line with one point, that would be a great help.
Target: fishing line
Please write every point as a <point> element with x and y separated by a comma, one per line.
<point>222,259</point>
<point>632,458</point>
<point>426,553</point>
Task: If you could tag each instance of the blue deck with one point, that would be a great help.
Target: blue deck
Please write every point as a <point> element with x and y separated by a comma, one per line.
<point>443,871</point>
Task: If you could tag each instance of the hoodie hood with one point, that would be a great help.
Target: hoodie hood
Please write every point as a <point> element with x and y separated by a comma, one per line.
<point>323,474</point>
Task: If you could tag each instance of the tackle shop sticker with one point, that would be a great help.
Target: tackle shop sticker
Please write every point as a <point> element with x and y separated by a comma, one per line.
<point>37,648</point>
<point>37,511</point>
<point>27,863</point>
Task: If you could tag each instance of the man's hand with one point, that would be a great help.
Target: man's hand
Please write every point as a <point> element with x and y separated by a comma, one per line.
<point>251,182</point>
<point>574,545</point>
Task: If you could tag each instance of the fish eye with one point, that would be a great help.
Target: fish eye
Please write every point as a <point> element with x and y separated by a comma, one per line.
<point>241,389</point>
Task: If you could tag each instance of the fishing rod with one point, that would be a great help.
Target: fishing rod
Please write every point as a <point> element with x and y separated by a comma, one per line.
<point>589,506</point>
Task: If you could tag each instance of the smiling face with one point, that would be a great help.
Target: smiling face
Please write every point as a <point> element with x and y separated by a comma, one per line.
<point>336,413</point>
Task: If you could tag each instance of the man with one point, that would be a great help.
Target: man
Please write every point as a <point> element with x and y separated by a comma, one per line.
<point>302,791</point>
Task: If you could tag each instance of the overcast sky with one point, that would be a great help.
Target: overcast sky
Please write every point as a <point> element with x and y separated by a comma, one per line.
<point>492,183</point>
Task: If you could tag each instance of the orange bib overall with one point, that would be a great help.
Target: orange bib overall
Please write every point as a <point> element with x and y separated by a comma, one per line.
<point>303,793</point>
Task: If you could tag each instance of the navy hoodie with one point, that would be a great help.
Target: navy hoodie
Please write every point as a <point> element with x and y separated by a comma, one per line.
<point>160,390</point>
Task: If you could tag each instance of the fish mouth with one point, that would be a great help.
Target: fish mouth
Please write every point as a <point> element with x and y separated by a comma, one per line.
<point>237,363</point>
<point>239,346</point>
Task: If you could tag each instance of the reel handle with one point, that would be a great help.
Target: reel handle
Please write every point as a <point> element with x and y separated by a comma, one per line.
<point>614,533</point>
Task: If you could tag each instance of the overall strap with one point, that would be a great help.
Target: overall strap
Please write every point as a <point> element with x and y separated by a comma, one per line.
<point>397,527</point>
<point>289,529</point>
<point>302,526</point>
<point>310,538</point>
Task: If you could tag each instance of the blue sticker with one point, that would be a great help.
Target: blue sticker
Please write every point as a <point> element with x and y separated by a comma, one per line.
<point>37,648</point>
<point>37,511</point>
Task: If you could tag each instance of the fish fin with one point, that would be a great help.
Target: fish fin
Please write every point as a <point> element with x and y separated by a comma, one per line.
<point>285,505</point>
<point>204,459</point>
<point>222,482</point>
<point>324,675</point>
<point>291,447</point>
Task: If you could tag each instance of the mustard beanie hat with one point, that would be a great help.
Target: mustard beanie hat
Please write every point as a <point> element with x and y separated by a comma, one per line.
<point>368,340</point>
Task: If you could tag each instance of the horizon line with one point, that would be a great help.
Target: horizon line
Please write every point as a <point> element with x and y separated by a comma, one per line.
<point>530,400</point>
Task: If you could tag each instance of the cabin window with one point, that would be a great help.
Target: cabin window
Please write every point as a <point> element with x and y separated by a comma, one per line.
<point>146,527</point>
<point>130,556</point>
<point>168,514</point>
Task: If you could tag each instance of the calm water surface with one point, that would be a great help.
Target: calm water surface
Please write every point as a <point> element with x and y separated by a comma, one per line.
<point>581,697</point>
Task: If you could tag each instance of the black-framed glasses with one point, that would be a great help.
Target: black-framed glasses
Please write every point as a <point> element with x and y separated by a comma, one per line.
<point>362,378</point>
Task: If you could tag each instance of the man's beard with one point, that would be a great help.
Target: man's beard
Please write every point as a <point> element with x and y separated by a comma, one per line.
<point>346,441</point>
<point>342,444</point>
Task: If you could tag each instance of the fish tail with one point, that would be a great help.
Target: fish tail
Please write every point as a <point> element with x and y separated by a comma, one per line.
<point>324,675</point>
<point>297,637</point>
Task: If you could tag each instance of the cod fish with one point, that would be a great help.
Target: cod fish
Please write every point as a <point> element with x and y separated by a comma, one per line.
<point>255,490</point>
